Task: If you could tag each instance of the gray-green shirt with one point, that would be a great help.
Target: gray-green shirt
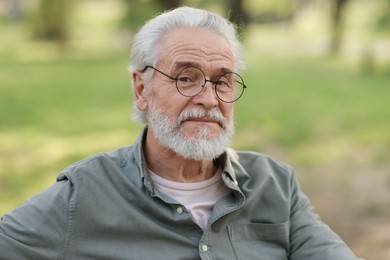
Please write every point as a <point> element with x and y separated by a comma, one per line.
<point>105,207</point>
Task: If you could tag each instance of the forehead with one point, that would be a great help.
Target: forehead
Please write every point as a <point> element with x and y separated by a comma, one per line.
<point>195,46</point>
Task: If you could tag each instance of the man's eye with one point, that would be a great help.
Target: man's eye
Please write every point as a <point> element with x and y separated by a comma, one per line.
<point>185,79</point>
<point>221,83</point>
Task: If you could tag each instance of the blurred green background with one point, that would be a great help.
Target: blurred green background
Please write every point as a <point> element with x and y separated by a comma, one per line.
<point>318,73</point>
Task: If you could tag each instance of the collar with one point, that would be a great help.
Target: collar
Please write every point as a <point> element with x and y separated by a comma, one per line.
<point>141,161</point>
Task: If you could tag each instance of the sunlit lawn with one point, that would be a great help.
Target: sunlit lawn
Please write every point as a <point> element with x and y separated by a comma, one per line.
<point>55,112</point>
<point>317,113</point>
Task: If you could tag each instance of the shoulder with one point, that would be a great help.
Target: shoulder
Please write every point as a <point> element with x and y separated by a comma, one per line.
<point>255,161</point>
<point>256,168</point>
<point>99,164</point>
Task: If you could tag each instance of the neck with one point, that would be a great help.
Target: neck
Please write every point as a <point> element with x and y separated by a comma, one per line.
<point>171,166</point>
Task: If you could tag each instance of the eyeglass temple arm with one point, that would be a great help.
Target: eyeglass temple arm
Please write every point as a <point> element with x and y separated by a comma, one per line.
<point>151,67</point>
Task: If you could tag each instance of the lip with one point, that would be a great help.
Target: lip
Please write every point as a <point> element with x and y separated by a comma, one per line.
<point>203,120</point>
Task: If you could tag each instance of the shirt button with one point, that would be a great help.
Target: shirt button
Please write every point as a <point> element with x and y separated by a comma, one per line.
<point>179,210</point>
<point>204,248</point>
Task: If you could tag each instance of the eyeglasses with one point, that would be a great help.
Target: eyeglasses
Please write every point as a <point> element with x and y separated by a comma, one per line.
<point>229,87</point>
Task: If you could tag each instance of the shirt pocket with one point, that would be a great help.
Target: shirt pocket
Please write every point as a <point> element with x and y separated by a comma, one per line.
<point>260,241</point>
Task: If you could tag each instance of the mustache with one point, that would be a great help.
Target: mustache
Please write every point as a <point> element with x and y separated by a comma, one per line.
<point>197,113</point>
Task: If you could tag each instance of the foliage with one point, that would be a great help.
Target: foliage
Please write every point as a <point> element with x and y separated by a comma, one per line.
<point>383,20</point>
<point>138,11</point>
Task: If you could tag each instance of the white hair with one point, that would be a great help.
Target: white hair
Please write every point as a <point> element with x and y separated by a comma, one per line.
<point>202,146</point>
<point>146,49</point>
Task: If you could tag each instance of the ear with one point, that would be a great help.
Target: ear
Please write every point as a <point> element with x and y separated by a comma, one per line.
<point>140,100</point>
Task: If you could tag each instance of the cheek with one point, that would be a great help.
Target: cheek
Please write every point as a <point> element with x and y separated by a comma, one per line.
<point>227,111</point>
<point>171,105</point>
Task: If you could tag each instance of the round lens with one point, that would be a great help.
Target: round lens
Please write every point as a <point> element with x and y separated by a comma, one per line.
<point>229,87</point>
<point>189,82</point>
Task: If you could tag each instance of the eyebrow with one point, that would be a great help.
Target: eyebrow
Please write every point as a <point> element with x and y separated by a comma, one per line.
<point>225,70</point>
<point>181,65</point>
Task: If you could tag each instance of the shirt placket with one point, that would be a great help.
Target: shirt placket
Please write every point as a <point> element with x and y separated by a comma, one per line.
<point>205,244</point>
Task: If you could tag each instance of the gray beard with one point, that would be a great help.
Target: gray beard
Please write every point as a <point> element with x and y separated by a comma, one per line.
<point>200,147</point>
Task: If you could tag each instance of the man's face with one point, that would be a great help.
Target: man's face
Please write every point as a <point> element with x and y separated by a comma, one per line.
<point>198,127</point>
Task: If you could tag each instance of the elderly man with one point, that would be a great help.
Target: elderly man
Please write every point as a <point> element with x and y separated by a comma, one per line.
<point>178,192</point>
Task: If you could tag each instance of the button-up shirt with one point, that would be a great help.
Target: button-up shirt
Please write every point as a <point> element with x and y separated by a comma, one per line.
<point>106,207</point>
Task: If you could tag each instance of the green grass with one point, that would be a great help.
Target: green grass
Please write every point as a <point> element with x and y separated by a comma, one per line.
<point>66,95</point>
<point>56,112</point>
<point>301,98</point>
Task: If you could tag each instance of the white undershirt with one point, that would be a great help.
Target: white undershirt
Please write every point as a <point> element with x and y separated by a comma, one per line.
<point>198,198</point>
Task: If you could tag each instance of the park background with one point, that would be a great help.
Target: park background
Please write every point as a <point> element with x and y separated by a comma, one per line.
<point>318,97</point>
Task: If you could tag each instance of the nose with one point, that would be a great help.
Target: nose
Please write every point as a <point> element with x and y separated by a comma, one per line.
<point>207,97</point>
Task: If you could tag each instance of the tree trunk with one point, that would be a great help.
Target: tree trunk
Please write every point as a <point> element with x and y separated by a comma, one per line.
<point>337,15</point>
<point>237,14</point>
<point>53,21</point>
<point>170,4</point>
